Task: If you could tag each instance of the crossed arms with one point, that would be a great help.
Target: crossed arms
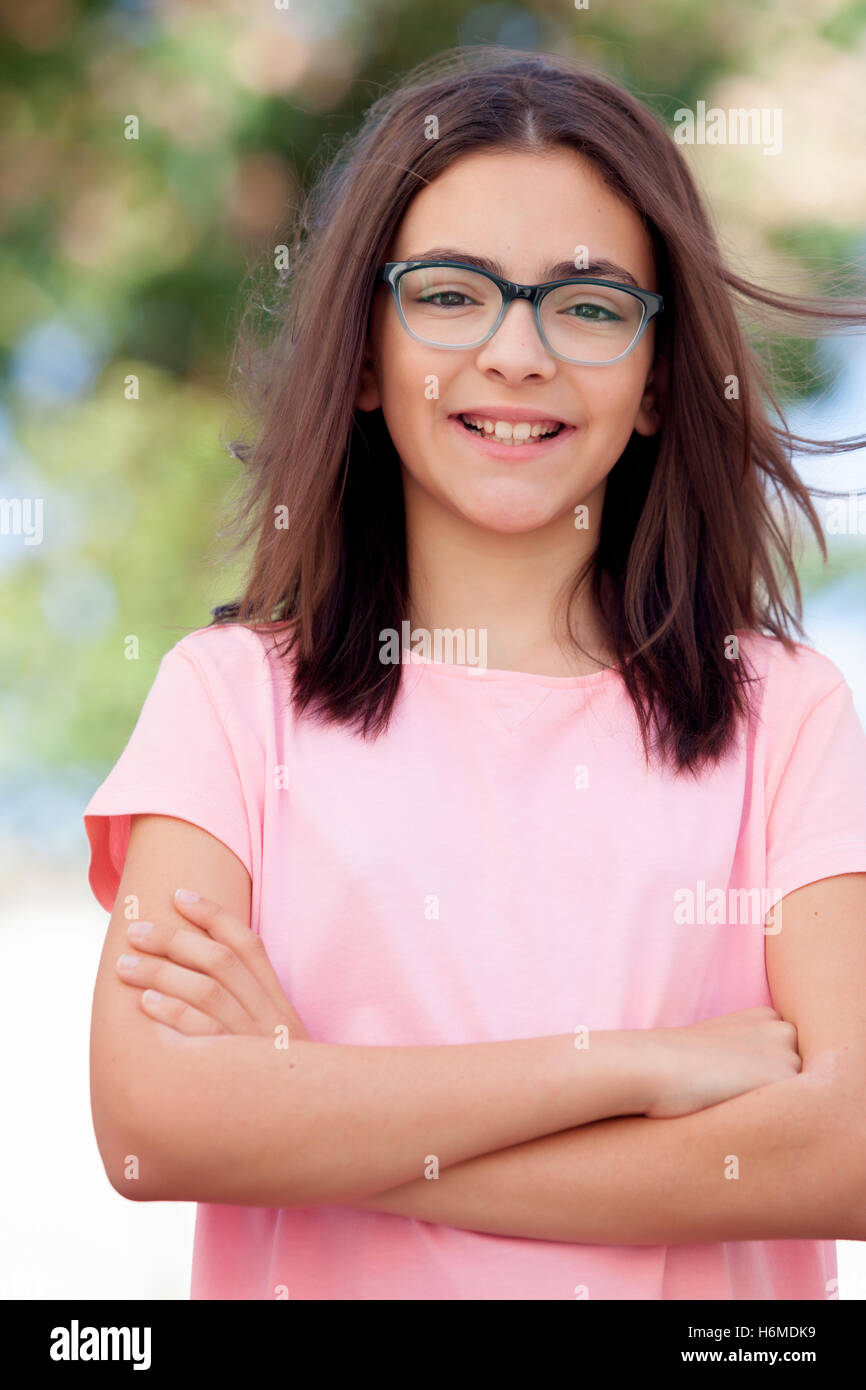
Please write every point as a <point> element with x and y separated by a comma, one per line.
<point>515,1157</point>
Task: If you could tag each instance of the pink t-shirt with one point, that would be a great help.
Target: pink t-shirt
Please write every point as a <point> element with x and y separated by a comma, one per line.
<point>499,864</point>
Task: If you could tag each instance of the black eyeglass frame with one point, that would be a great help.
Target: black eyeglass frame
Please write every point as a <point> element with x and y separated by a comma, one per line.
<point>392,272</point>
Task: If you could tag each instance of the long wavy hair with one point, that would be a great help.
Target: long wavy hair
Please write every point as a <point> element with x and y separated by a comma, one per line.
<point>696,519</point>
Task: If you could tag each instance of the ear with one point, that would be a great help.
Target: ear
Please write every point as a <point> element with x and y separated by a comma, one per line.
<point>368,396</point>
<point>649,416</point>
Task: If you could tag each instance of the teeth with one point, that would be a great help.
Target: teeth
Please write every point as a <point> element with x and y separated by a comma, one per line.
<point>509,433</point>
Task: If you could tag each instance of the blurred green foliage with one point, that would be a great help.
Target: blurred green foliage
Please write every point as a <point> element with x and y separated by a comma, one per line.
<point>845,26</point>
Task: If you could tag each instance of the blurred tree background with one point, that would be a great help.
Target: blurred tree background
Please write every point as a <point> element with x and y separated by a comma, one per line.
<point>125,257</point>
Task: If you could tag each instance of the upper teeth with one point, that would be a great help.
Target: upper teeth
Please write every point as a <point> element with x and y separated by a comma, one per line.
<point>504,429</point>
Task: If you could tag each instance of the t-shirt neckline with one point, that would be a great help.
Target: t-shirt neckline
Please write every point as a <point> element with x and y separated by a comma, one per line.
<point>481,673</point>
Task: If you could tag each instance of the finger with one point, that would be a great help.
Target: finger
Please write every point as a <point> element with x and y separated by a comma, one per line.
<point>197,951</point>
<point>199,991</point>
<point>231,931</point>
<point>177,1014</point>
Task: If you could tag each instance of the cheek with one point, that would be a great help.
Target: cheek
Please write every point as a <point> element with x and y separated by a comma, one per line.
<point>403,373</point>
<point>613,400</point>
<point>412,387</point>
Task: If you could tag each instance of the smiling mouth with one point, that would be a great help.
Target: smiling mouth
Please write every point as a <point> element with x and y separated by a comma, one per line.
<point>494,438</point>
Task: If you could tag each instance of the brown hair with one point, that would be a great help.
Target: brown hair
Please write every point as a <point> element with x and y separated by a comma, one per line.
<point>689,536</point>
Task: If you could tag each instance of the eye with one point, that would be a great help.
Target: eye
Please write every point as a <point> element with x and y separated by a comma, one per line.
<point>593,312</point>
<point>446,290</point>
<point>434,295</point>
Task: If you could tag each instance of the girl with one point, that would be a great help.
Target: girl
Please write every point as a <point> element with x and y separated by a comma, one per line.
<point>502,776</point>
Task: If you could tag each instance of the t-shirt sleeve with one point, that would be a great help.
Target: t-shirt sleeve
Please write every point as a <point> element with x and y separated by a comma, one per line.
<point>179,761</point>
<point>816,822</point>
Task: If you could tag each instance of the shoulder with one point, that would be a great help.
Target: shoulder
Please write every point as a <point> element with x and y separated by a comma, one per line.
<point>797,673</point>
<point>795,682</point>
<point>242,673</point>
<point>229,656</point>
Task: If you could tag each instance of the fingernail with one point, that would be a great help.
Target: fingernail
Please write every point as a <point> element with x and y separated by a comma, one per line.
<point>151,996</point>
<point>138,930</point>
<point>127,962</point>
<point>186,895</point>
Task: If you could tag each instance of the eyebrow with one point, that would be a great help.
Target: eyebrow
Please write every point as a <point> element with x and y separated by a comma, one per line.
<point>562,270</point>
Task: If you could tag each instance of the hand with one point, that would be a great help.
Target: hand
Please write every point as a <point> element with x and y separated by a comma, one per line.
<point>705,1063</point>
<point>221,982</point>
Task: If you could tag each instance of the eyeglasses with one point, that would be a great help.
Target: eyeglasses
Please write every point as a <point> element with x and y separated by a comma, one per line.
<point>449,304</point>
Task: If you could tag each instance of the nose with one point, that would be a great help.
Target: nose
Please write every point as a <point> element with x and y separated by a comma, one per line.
<point>516,348</point>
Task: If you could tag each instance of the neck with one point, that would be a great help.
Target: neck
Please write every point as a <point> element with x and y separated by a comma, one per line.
<point>512,588</point>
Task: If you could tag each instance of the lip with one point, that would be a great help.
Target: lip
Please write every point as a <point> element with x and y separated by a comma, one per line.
<point>512,453</point>
<point>514,413</point>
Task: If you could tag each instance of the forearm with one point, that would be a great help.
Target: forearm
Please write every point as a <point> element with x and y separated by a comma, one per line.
<point>233,1119</point>
<point>639,1181</point>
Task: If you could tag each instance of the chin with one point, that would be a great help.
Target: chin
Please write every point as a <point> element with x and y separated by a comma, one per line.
<point>509,518</point>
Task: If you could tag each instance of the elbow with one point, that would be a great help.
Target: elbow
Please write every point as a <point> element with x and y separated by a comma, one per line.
<point>130,1167</point>
<point>140,1120</point>
<point>855,1216</point>
<point>843,1180</point>
<point>835,1120</point>
<point>129,1154</point>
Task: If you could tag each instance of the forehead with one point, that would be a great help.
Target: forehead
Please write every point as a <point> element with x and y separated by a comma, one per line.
<point>528,210</point>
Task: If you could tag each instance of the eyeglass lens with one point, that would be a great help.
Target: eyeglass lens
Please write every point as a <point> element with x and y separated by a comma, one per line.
<point>457,308</point>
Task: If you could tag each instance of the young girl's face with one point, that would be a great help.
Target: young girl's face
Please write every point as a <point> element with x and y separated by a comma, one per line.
<point>526,211</point>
